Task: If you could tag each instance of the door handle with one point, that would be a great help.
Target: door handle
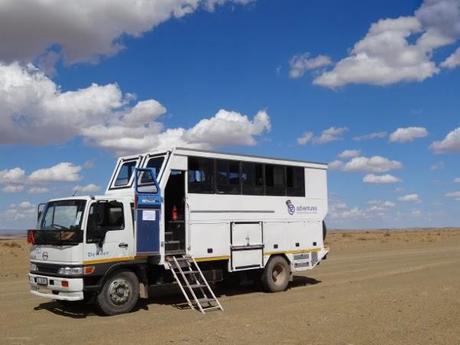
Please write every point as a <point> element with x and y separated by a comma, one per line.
<point>123,245</point>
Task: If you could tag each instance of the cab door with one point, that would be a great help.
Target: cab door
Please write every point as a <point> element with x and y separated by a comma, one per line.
<point>109,231</point>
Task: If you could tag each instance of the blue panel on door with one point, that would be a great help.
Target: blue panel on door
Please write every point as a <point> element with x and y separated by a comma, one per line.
<point>148,230</point>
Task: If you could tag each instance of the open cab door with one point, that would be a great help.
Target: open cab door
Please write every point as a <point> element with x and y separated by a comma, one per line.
<point>147,211</point>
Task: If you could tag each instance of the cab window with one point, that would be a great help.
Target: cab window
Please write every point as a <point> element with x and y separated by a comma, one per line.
<point>124,174</point>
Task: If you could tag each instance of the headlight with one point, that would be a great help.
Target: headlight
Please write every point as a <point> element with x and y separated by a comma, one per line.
<point>33,267</point>
<point>70,271</point>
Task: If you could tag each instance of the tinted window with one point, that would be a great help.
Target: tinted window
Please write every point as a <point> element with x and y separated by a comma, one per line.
<point>200,175</point>
<point>228,177</point>
<point>125,173</point>
<point>155,163</point>
<point>275,180</point>
<point>106,216</point>
<point>252,177</point>
<point>295,181</point>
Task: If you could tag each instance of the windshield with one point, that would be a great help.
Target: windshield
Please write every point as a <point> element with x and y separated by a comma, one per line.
<point>64,214</point>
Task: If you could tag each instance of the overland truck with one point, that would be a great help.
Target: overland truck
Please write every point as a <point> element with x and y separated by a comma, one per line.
<point>186,216</point>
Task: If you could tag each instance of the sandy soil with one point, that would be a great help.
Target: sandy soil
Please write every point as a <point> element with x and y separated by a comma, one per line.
<point>375,288</point>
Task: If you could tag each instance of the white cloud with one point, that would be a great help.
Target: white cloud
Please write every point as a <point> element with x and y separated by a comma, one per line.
<point>455,195</point>
<point>83,31</point>
<point>349,154</point>
<point>452,61</point>
<point>330,134</point>
<point>404,135</point>
<point>90,188</point>
<point>21,211</point>
<point>105,117</point>
<point>38,190</point>
<point>15,175</point>
<point>12,189</point>
<point>399,49</point>
<point>62,172</point>
<point>380,179</point>
<point>457,180</point>
<point>371,136</point>
<point>299,64</point>
<point>305,138</point>
<point>335,165</point>
<point>410,198</point>
<point>437,166</point>
<point>451,143</point>
<point>375,164</point>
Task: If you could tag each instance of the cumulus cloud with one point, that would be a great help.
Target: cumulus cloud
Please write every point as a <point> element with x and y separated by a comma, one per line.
<point>90,188</point>
<point>305,138</point>
<point>457,180</point>
<point>371,136</point>
<point>404,135</point>
<point>398,49</point>
<point>380,179</point>
<point>83,31</point>
<point>452,61</point>
<point>35,110</point>
<point>299,64</point>
<point>349,154</point>
<point>410,198</point>
<point>375,164</point>
<point>339,210</point>
<point>335,165</point>
<point>15,180</point>
<point>330,134</point>
<point>451,143</point>
<point>21,211</point>
<point>62,172</point>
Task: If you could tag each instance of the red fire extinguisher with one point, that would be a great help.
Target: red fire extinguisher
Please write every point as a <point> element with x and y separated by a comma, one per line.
<point>174,213</point>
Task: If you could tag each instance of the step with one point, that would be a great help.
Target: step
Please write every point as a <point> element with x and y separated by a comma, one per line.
<point>205,300</point>
<point>172,242</point>
<point>196,286</point>
<point>168,233</point>
<point>190,272</point>
<point>211,307</point>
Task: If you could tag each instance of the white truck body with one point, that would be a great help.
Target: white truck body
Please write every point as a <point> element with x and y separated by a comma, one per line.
<point>228,211</point>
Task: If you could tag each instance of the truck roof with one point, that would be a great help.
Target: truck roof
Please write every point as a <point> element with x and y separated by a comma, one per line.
<point>228,155</point>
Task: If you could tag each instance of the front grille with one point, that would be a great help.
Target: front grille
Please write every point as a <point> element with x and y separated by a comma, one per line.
<point>47,269</point>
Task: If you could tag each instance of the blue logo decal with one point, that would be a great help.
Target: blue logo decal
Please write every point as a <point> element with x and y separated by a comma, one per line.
<point>290,207</point>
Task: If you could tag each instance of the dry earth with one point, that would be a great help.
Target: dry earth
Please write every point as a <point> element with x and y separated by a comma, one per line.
<point>383,287</point>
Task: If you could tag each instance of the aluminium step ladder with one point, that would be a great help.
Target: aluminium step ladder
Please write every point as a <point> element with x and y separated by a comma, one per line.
<point>193,284</point>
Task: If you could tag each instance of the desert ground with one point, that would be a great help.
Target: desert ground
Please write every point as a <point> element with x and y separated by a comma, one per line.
<point>385,287</point>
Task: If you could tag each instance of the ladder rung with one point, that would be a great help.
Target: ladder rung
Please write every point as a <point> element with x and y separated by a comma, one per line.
<point>196,286</point>
<point>190,272</point>
<point>172,242</point>
<point>205,300</point>
<point>168,232</point>
<point>212,307</point>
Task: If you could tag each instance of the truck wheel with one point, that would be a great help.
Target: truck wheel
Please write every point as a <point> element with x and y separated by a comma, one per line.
<point>324,230</point>
<point>119,294</point>
<point>276,275</point>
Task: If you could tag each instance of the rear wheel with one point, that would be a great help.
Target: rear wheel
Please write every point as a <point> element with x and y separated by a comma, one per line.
<point>276,274</point>
<point>119,294</point>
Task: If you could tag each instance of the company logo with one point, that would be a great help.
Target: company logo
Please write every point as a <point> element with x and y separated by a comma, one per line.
<point>45,256</point>
<point>290,207</point>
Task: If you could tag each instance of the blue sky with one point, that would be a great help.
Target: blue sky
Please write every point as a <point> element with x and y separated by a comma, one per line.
<point>82,83</point>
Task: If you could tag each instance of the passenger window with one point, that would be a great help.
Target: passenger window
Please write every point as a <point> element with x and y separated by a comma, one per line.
<point>252,177</point>
<point>125,173</point>
<point>228,177</point>
<point>155,163</point>
<point>295,178</point>
<point>200,175</point>
<point>103,217</point>
<point>275,180</point>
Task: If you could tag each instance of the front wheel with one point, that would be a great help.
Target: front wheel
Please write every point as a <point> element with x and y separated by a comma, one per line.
<point>119,294</point>
<point>276,274</point>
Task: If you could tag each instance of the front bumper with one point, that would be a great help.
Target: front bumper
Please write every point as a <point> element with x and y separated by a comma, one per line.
<point>54,288</point>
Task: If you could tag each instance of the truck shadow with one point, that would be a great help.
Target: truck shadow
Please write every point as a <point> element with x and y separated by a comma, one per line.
<point>168,295</point>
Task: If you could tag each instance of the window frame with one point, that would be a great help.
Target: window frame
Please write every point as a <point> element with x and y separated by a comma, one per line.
<point>131,179</point>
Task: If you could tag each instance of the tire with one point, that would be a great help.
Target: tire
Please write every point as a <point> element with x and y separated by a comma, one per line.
<point>276,275</point>
<point>119,294</point>
<point>324,230</point>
